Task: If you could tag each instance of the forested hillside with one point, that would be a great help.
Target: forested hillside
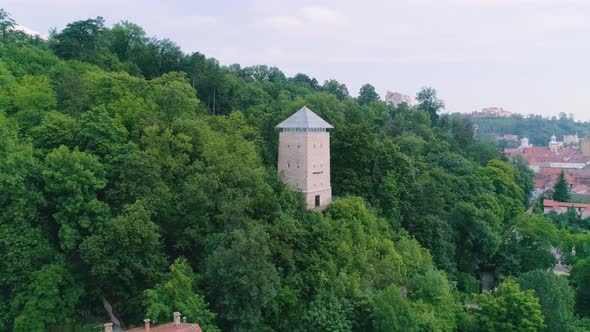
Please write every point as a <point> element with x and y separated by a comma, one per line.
<point>134,173</point>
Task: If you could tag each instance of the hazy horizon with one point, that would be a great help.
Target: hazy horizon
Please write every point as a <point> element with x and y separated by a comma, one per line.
<point>526,56</point>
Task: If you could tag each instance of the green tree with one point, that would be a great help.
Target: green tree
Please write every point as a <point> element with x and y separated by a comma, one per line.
<point>178,292</point>
<point>429,103</point>
<point>393,312</point>
<point>127,38</point>
<point>367,95</point>
<point>33,98</point>
<point>580,277</point>
<point>6,24</point>
<point>509,309</point>
<point>434,301</point>
<point>327,313</point>
<point>71,181</point>
<point>8,85</point>
<point>174,96</point>
<point>561,191</point>
<point>81,40</point>
<point>303,79</point>
<point>555,296</point>
<point>124,253</point>
<point>55,129</point>
<point>99,134</point>
<point>525,177</point>
<point>477,241</point>
<point>526,246</point>
<point>49,300</point>
<point>336,88</point>
<point>35,93</point>
<point>24,244</point>
<point>242,281</point>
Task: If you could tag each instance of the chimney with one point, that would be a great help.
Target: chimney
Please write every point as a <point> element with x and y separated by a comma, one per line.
<point>108,327</point>
<point>176,318</point>
<point>147,324</point>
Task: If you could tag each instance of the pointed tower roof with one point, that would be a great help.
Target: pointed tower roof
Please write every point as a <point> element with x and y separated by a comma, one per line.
<point>305,118</point>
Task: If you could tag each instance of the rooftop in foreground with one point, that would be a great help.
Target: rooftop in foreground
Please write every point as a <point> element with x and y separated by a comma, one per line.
<point>170,327</point>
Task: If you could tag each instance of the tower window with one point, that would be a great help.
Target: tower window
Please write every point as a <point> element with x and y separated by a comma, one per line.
<point>317,201</point>
<point>288,164</point>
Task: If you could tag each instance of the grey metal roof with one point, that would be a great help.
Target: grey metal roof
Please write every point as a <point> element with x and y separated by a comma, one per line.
<point>304,118</point>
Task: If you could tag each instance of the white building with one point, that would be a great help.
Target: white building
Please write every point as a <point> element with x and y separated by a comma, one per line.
<point>524,143</point>
<point>571,139</point>
<point>395,98</point>
<point>554,145</point>
<point>304,156</point>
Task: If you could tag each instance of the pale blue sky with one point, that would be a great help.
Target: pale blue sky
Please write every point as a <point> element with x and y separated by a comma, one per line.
<point>528,56</point>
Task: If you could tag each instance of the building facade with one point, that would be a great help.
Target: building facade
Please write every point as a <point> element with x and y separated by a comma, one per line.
<point>585,146</point>
<point>304,157</point>
<point>492,112</point>
<point>583,210</point>
<point>395,98</point>
<point>571,139</point>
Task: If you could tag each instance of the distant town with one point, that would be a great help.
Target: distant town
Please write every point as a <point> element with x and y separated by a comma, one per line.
<point>571,154</point>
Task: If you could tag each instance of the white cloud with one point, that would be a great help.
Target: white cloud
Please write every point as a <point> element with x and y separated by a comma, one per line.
<point>285,22</point>
<point>323,16</point>
<point>30,31</point>
<point>311,18</point>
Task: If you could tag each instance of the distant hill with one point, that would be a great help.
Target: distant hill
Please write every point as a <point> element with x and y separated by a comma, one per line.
<point>537,128</point>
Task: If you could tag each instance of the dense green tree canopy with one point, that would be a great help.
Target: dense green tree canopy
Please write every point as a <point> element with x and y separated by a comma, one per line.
<point>121,156</point>
<point>509,309</point>
<point>555,296</point>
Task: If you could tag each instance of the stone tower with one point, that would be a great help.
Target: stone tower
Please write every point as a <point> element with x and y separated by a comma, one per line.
<point>304,157</point>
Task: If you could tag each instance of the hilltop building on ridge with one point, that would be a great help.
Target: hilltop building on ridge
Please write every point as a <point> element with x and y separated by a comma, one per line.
<point>396,98</point>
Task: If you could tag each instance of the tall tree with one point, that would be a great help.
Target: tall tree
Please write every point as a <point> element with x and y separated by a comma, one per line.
<point>49,300</point>
<point>367,95</point>
<point>581,279</point>
<point>509,309</point>
<point>561,191</point>
<point>6,24</point>
<point>555,296</point>
<point>242,280</point>
<point>81,40</point>
<point>126,38</point>
<point>71,181</point>
<point>393,312</point>
<point>336,88</point>
<point>429,102</point>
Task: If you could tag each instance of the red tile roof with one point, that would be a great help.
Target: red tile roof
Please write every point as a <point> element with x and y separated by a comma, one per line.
<point>170,327</point>
<point>540,183</point>
<point>555,204</point>
<point>581,188</point>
